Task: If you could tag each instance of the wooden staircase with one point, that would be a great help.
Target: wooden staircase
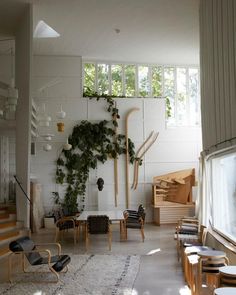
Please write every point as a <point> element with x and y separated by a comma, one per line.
<point>10,229</point>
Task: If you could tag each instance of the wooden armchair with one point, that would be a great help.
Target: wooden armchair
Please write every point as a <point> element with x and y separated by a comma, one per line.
<point>187,233</point>
<point>135,219</point>
<point>33,252</point>
<point>64,223</point>
<point>98,224</point>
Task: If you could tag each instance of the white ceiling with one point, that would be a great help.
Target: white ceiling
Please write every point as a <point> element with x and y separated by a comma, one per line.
<point>152,31</point>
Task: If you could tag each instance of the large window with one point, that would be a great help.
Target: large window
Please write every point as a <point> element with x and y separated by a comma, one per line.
<point>223,193</point>
<point>179,85</point>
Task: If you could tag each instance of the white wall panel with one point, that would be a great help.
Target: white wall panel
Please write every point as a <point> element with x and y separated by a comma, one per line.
<point>174,149</point>
<point>60,66</point>
<point>175,152</point>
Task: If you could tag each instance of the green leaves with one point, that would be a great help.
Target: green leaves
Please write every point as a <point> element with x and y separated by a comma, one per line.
<point>91,143</point>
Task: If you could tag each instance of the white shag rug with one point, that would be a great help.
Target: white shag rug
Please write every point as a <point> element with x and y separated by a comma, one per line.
<point>87,275</point>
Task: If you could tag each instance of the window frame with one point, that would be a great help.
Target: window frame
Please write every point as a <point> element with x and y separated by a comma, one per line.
<point>218,154</point>
<point>150,88</point>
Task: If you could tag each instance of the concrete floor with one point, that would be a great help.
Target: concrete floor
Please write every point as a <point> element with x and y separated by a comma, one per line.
<point>160,273</point>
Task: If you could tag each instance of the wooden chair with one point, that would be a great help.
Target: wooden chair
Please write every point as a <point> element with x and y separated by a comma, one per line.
<point>135,219</point>
<point>98,224</point>
<point>64,223</point>
<point>27,248</point>
<point>187,234</point>
<point>209,264</point>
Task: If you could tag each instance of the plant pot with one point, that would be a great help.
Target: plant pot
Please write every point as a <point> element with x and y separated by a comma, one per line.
<point>60,127</point>
<point>49,222</point>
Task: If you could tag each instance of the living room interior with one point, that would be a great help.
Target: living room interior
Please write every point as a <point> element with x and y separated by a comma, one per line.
<point>160,73</point>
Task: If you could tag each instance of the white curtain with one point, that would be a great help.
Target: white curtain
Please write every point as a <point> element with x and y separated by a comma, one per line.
<point>203,196</point>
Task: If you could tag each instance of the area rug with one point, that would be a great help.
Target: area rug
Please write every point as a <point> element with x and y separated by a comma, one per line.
<point>87,275</point>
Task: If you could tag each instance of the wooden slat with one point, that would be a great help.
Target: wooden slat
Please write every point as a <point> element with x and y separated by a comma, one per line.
<point>4,251</point>
<point>8,235</point>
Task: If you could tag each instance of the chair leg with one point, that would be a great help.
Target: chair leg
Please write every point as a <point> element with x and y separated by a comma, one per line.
<point>10,267</point>
<point>86,238</point>
<point>75,231</point>
<point>109,240</point>
<point>57,234</point>
<point>142,233</point>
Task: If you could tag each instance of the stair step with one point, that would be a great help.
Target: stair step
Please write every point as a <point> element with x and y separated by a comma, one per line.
<point>4,216</point>
<point>4,251</point>
<point>7,224</point>
<point>8,235</point>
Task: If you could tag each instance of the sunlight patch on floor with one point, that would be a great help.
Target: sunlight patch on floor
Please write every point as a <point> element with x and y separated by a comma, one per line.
<point>153,251</point>
<point>39,293</point>
<point>185,291</point>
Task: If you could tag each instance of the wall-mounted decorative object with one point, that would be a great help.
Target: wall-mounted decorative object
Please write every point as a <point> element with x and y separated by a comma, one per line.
<point>100,183</point>
<point>60,127</point>
<point>47,137</point>
<point>127,158</point>
<point>139,156</point>
<point>44,119</point>
<point>61,114</point>
<point>47,147</point>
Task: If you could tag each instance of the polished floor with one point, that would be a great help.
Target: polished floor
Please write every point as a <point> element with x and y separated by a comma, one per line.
<point>160,273</point>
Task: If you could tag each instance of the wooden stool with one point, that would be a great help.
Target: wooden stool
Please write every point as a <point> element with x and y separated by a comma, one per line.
<point>190,262</point>
<point>228,275</point>
<point>225,291</point>
<point>209,263</point>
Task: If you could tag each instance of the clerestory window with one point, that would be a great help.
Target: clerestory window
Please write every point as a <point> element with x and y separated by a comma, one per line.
<point>179,85</point>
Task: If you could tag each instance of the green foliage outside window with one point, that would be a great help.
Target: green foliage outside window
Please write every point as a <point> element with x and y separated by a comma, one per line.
<point>103,81</point>
<point>130,80</point>
<point>124,80</point>
<point>116,80</point>
<point>157,82</point>
<point>89,76</point>
<point>143,81</point>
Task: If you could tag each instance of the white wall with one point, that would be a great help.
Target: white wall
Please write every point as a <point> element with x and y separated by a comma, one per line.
<point>23,69</point>
<point>175,149</point>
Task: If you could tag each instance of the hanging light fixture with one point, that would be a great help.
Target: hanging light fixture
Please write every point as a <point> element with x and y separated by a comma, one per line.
<point>67,146</point>
<point>44,119</point>
<point>61,114</point>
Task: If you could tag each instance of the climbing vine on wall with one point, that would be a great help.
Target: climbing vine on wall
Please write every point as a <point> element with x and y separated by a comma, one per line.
<point>91,143</point>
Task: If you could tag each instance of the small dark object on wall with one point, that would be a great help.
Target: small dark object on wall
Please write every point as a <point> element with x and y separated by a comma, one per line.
<point>100,183</point>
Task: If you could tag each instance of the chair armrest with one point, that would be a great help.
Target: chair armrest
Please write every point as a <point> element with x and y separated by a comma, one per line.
<point>65,219</point>
<point>51,244</point>
<point>48,252</point>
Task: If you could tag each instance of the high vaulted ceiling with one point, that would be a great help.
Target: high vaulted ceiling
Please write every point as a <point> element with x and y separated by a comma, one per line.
<point>150,31</point>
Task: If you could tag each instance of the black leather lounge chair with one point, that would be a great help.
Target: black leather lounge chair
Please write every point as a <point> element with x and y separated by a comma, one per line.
<point>27,248</point>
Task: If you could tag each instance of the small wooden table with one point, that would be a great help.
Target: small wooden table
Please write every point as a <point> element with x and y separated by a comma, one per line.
<point>114,215</point>
<point>225,291</point>
<point>229,270</point>
<point>215,258</point>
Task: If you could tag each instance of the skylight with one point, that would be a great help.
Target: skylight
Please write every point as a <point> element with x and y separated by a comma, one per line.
<point>43,30</point>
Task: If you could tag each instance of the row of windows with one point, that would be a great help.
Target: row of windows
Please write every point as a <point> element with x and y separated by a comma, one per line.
<point>222,189</point>
<point>180,85</point>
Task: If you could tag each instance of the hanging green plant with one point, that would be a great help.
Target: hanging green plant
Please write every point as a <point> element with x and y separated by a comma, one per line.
<point>111,104</point>
<point>91,143</point>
